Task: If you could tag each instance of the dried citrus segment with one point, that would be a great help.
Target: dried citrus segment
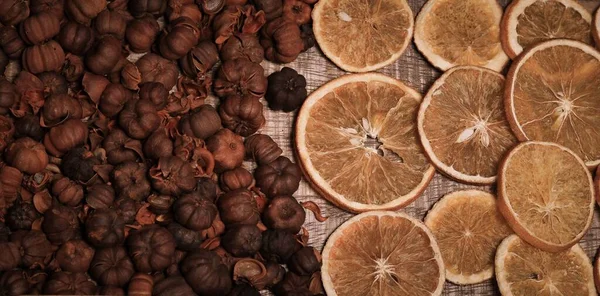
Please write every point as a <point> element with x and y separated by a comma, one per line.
<point>467,227</point>
<point>546,195</point>
<point>382,253</point>
<point>361,36</point>
<point>522,270</point>
<point>553,94</point>
<point>529,22</point>
<point>356,139</point>
<point>461,32</point>
<point>462,124</point>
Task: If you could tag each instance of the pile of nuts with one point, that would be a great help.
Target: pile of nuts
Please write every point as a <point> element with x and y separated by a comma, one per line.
<point>116,177</point>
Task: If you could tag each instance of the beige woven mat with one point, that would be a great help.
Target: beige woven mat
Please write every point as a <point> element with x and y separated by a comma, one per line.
<point>417,73</point>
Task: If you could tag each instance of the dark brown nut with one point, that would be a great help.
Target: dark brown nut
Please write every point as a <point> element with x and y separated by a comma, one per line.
<point>13,12</point>
<point>130,180</point>
<point>139,119</point>
<point>66,136</point>
<point>272,8</point>
<point>10,257</point>
<point>112,267</point>
<point>11,42</point>
<point>242,240</point>
<point>238,207</point>
<point>100,196</point>
<point>9,95</point>
<point>236,179</point>
<point>243,289</point>
<point>39,28</point>
<point>284,213</point>
<point>27,155</point>
<point>279,245</point>
<point>308,36</point>
<point>244,46</point>
<point>151,248</point>
<point>194,211</point>
<point>200,59</point>
<point>73,68</point>
<point>67,192</point>
<point>201,123</point>
<point>67,283</point>
<point>205,273</point>
<point>56,7</point>
<point>29,126</point>
<point>113,99</point>
<point>211,7</point>
<point>180,37</point>
<point>141,34</point>
<point>60,224</point>
<point>240,77</point>
<point>184,8</point>
<point>158,145</point>
<point>10,179</point>
<point>4,232</point>
<point>227,148</point>
<point>139,8</point>
<point>95,85</point>
<point>173,285</point>
<point>7,131</point>
<point>305,261</point>
<point>160,204</point>
<point>262,149</point>
<point>78,164</point>
<point>105,228</point>
<point>226,23</point>
<point>250,271</point>
<point>111,22</point>
<point>154,92</point>
<point>3,60</point>
<point>244,116</point>
<point>286,90</point>
<point>297,11</point>
<point>83,11</point>
<point>172,176</point>
<point>280,177</point>
<point>35,248</point>
<point>282,41</point>
<point>104,57</point>
<point>121,148</point>
<point>15,282</point>
<point>275,274</point>
<point>75,256</point>
<point>127,208</point>
<point>59,108</point>
<point>207,188</point>
<point>185,238</point>
<point>141,284</point>
<point>44,57</point>
<point>21,216</point>
<point>111,290</point>
<point>293,284</point>
<point>54,84</point>
<point>154,68</point>
<point>76,38</point>
<point>131,76</point>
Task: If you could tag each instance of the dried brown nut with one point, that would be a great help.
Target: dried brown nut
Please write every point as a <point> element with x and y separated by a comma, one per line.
<point>67,283</point>
<point>111,290</point>
<point>243,289</point>
<point>7,131</point>
<point>39,28</point>
<point>113,99</point>
<point>280,177</point>
<point>44,57</point>
<point>21,216</point>
<point>240,77</point>
<point>127,208</point>
<point>201,123</point>
<point>131,76</point>
<point>183,8</point>
<point>59,108</point>
<point>279,245</point>
<point>139,8</point>
<point>305,261</point>
<point>286,90</point>
<point>226,23</point>
<point>154,92</point>
<point>4,232</point>
<point>262,149</point>
<point>308,36</point>
<point>130,180</point>
<point>13,12</point>
<point>211,7</point>
<point>238,207</point>
<point>104,57</point>
<point>275,274</point>
<point>10,179</point>
<point>141,33</point>
<point>83,11</point>
<point>180,37</point>
<point>172,176</point>
<point>284,213</point>
<point>244,116</point>
<point>242,46</point>
<point>272,8</point>
<point>3,60</point>
<point>139,119</point>
<point>297,11</point>
<point>236,179</point>
<point>54,84</point>
<point>186,239</point>
<point>11,42</point>
<point>27,155</point>
<point>35,248</point>
<point>205,273</point>
<point>66,191</point>
<point>100,196</point>
<point>76,38</point>
<point>112,266</point>
<point>151,248</point>
<point>227,148</point>
<point>105,228</point>
<point>160,204</point>
<point>9,95</point>
<point>141,285</point>
<point>199,59</point>
<point>282,41</point>
<point>112,22</point>
<point>154,68</point>
<point>173,285</point>
<point>60,224</point>
<point>56,7</point>
<point>10,257</point>
<point>242,240</point>
<point>73,68</point>
<point>66,136</point>
<point>75,256</point>
<point>195,211</point>
<point>78,164</point>
<point>158,145</point>
<point>293,284</point>
<point>17,282</point>
<point>121,148</point>
<point>29,126</point>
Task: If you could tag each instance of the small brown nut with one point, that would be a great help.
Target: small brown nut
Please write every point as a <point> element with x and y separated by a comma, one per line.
<point>172,285</point>
<point>59,108</point>
<point>54,84</point>
<point>139,8</point>
<point>11,42</point>
<point>76,38</point>
<point>60,224</point>
<point>105,228</point>
<point>284,213</point>
<point>100,196</point>
<point>240,77</point>
<point>141,34</point>
<point>113,99</point>
<point>199,59</point>
<point>201,123</point>
<point>13,12</point>
<point>194,211</point>
<point>120,148</point>
<point>272,8</point>
<point>238,207</point>
<point>262,149</point>
<point>112,267</point>
<point>305,261</point>
<point>44,57</point>
<point>27,155</point>
<point>181,36</point>
<point>39,28</point>
<point>205,273</point>
<point>297,11</point>
<point>139,119</point>
<point>131,76</point>
<point>242,240</point>
<point>154,92</point>
<point>151,248</point>
<point>21,216</point>
<point>112,22</point>
<point>104,57</point>
<point>83,11</point>
<point>279,245</point>
<point>172,176</point>
<point>68,283</point>
<point>236,179</point>
<point>282,40</point>
<point>66,136</point>
<point>280,177</point>
<point>155,68</point>
<point>130,180</point>
<point>244,116</point>
<point>242,46</point>
<point>158,145</point>
<point>227,148</point>
<point>66,191</point>
<point>75,256</point>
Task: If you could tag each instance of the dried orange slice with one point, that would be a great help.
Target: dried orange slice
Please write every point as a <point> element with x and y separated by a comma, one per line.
<point>357,142</point>
<point>462,124</point>
<point>597,182</point>
<point>467,227</point>
<point>553,94</point>
<point>382,253</point>
<point>597,272</point>
<point>522,270</point>
<point>461,32</point>
<point>361,36</point>
<point>596,28</point>
<point>529,22</point>
<point>546,195</point>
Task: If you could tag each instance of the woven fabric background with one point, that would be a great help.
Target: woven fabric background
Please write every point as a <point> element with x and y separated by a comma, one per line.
<point>414,71</point>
